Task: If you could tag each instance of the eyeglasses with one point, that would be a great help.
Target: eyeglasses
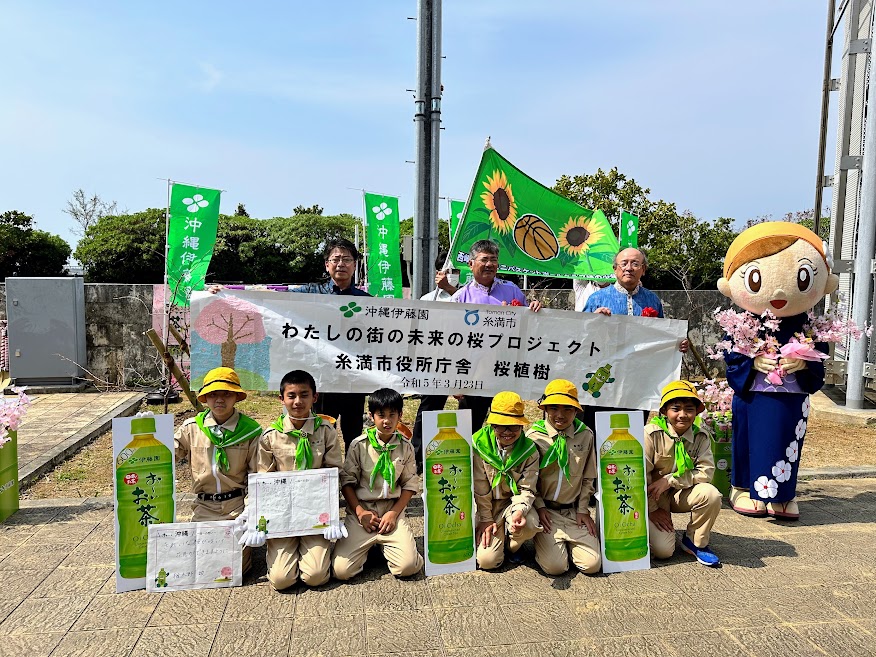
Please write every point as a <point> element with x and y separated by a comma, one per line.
<point>347,260</point>
<point>507,429</point>
<point>632,264</point>
<point>487,261</point>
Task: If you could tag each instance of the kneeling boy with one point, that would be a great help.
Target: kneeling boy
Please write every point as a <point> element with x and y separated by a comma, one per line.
<point>680,465</point>
<point>299,440</point>
<point>565,484</point>
<point>378,480</point>
<point>505,474</point>
<point>222,446</point>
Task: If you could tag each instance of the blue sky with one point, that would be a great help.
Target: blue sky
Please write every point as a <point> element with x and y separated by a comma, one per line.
<point>714,106</point>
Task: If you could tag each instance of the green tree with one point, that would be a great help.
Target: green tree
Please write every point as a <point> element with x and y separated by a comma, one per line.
<point>802,217</point>
<point>300,240</point>
<point>241,211</point>
<point>313,209</point>
<point>25,251</point>
<point>126,248</point>
<point>679,246</point>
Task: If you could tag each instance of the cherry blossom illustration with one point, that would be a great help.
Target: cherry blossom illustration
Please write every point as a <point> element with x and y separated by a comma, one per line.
<point>782,471</point>
<point>230,321</point>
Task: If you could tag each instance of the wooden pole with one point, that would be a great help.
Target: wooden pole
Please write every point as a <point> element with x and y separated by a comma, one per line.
<point>179,339</point>
<point>177,372</point>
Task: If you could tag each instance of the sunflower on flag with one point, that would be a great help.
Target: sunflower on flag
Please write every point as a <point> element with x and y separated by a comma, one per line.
<point>541,233</point>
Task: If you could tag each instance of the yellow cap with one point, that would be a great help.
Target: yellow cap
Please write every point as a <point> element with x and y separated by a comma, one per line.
<point>680,390</point>
<point>560,392</point>
<point>221,378</point>
<point>507,409</point>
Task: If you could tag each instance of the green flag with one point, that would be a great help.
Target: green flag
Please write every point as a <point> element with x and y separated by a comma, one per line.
<point>629,231</point>
<point>456,210</point>
<point>191,235</point>
<point>540,232</point>
<point>382,240</point>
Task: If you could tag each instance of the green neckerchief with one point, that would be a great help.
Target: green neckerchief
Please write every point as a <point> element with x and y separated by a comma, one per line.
<point>384,466</point>
<point>683,461</point>
<point>303,453</point>
<point>246,429</point>
<point>485,443</point>
<point>559,451</point>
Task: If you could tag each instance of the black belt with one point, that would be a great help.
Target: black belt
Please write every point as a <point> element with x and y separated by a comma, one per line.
<point>554,506</point>
<point>221,497</point>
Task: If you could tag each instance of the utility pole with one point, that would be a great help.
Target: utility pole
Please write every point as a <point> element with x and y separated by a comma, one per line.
<point>427,124</point>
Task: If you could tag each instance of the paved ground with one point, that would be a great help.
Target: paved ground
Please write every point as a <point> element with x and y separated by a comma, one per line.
<point>58,425</point>
<point>785,589</point>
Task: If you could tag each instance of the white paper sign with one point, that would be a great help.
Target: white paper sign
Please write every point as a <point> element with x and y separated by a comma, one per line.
<point>359,344</point>
<point>193,555</point>
<point>448,490</point>
<point>144,476</point>
<point>299,503</point>
<point>622,496</point>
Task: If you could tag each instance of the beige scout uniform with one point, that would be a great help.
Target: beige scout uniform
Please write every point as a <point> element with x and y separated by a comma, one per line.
<point>208,479</point>
<point>399,546</point>
<point>564,499</point>
<point>499,503</point>
<point>307,556</point>
<point>692,492</point>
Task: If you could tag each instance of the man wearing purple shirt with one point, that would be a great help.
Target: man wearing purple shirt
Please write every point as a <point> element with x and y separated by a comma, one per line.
<point>486,288</point>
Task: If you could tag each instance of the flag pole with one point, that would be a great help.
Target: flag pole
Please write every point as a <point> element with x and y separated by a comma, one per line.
<point>166,324</point>
<point>365,237</point>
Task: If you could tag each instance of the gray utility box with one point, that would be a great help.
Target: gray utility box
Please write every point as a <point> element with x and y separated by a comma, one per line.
<point>46,326</point>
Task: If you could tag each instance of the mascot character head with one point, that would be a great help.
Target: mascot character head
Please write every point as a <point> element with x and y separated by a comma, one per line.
<point>777,266</point>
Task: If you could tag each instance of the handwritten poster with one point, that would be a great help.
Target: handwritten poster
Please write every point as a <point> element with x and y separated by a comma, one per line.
<point>297,503</point>
<point>193,555</point>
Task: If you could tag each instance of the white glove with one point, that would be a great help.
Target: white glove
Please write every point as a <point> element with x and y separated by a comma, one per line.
<point>335,532</point>
<point>241,523</point>
<point>764,364</point>
<point>252,538</point>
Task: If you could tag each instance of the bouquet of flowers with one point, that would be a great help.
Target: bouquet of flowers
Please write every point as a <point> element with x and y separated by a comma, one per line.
<point>749,335</point>
<point>718,398</point>
<point>12,411</point>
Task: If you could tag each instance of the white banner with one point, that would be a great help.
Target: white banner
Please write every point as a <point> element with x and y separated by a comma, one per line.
<point>360,344</point>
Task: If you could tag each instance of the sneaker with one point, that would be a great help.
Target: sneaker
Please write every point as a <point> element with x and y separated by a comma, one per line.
<point>515,557</point>
<point>704,555</point>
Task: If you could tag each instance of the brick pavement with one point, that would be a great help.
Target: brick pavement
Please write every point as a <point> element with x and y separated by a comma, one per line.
<point>800,589</point>
<point>58,425</point>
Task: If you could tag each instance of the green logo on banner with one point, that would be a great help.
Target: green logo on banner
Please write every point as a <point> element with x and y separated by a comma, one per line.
<point>191,236</point>
<point>350,309</point>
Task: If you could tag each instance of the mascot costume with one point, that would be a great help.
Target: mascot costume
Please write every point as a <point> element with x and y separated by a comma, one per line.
<point>782,268</point>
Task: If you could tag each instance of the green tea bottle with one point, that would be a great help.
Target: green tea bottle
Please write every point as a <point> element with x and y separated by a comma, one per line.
<point>144,490</point>
<point>448,494</point>
<point>622,483</point>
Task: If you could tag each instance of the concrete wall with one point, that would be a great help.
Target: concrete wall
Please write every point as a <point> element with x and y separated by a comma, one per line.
<point>116,317</point>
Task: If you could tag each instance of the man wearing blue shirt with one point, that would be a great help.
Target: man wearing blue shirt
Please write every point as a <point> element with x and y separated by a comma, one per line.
<point>626,296</point>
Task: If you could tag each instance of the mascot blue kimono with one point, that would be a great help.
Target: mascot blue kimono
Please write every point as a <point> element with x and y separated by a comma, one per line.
<point>782,268</point>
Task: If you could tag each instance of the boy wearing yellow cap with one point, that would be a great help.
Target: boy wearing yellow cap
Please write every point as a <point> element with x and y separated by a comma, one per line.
<point>565,484</point>
<point>299,440</point>
<point>505,475</point>
<point>378,480</point>
<point>222,446</point>
<point>680,465</point>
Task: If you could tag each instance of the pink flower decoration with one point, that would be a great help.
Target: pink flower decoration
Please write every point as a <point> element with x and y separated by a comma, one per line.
<point>324,518</point>
<point>226,571</point>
